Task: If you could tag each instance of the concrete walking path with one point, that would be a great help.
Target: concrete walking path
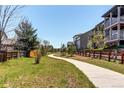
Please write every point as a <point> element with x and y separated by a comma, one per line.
<point>100,77</point>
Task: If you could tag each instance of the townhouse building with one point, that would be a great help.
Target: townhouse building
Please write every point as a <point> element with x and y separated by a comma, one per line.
<point>81,40</point>
<point>114,26</point>
<point>113,30</point>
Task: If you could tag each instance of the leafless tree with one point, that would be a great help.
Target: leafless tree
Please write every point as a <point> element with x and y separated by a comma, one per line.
<point>7,16</point>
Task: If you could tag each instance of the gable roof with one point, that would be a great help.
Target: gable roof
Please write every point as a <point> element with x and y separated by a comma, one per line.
<point>8,42</point>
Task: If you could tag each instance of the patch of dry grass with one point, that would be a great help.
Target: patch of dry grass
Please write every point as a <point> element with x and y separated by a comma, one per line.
<point>115,66</point>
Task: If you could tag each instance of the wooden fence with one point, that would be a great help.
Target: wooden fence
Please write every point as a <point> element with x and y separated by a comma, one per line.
<point>4,56</point>
<point>108,55</point>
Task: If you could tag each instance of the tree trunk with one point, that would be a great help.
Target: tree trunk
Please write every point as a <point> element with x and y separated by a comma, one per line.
<point>28,53</point>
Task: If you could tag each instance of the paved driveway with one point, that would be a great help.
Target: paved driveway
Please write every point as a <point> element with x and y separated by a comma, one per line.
<point>100,77</point>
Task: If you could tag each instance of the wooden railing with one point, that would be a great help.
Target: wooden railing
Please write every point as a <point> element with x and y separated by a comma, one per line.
<point>108,55</point>
<point>4,56</point>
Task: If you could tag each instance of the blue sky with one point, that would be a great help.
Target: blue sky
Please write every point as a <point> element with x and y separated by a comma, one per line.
<point>58,24</point>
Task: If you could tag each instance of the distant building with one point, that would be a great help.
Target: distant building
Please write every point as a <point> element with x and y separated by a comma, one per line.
<point>8,44</point>
<point>81,40</point>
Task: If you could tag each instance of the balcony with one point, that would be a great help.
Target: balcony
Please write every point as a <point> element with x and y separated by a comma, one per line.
<point>122,34</point>
<point>114,20</point>
<point>107,23</point>
<point>110,22</point>
<point>114,35</point>
<point>122,18</point>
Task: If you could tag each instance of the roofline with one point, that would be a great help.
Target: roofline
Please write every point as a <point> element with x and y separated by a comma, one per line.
<point>82,33</point>
<point>70,42</point>
<point>77,35</point>
<point>97,25</point>
<point>89,30</point>
<point>110,10</point>
<point>100,23</point>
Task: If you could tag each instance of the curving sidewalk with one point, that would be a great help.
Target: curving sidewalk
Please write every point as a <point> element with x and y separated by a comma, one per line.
<point>100,77</point>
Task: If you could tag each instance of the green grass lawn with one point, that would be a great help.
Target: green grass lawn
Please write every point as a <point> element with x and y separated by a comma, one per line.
<point>49,73</point>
